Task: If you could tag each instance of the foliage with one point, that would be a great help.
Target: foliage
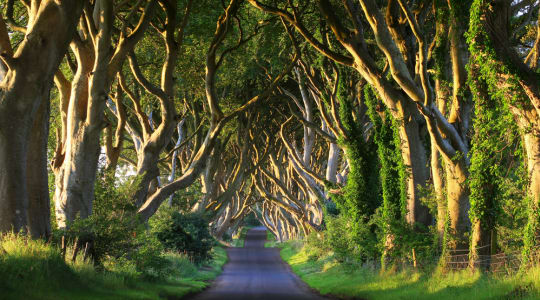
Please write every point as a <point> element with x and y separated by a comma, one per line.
<point>392,176</point>
<point>330,277</point>
<point>34,269</point>
<point>185,233</point>
<point>250,220</point>
<point>112,228</point>
<point>493,101</point>
<point>361,194</point>
<point>113,234</point>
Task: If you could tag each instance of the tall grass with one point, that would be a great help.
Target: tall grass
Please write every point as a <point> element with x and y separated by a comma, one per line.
<point>329,276</point>
<point>34,269</point>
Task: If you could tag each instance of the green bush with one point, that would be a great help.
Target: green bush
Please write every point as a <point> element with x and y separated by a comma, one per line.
<point>185,233</point>
<point>315,245</point>
<point>115,238</point>
<point>112,228</point>
<point>149,259</point>
<point>338,237</point>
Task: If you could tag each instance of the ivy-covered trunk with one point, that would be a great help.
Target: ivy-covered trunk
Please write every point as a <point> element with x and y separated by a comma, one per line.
<point>392,175</point>
<point>415,160</point>
<point>531,141</point>
<point>512,82</point>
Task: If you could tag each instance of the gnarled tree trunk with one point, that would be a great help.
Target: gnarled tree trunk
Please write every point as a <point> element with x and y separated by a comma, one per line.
<point>24,88</point>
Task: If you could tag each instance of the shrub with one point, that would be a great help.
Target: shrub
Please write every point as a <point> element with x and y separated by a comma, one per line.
<point>116,240</point>
<point>148,257</point>
<point>315,245</point>
<point>186,233</point>
<point>111,229</point>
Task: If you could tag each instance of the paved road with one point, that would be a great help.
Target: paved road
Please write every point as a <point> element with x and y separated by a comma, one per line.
<point>255,272</point>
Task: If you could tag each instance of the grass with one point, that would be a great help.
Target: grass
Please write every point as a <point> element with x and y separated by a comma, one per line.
<point>331,277</point>
<point>271,241</point>
<point>238,241</point>
<point>32,269</point>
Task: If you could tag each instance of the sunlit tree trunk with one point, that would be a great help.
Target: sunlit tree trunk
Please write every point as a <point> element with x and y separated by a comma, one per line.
<point>98,63</point>
<point>24,88</point>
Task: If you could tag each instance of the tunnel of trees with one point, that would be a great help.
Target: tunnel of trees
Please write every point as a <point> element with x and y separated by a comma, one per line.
<point>399,130</point>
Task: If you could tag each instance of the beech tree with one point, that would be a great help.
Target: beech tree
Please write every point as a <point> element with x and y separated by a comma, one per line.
<point>28,73</point>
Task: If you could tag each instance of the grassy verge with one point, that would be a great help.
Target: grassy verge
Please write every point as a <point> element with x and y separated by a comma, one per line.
<point>331,277</point>
<point>35,270</point>
<point>271,241</point>
<point>238,241</point>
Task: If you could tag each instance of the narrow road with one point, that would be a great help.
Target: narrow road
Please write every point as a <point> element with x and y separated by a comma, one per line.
<point>255,272</point>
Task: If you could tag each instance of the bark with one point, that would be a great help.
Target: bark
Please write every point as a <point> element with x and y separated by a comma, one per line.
<point>415,160</point>
<point>98,64</point>
<point>24,88</point>
<point>85,121</point>
<point>532,149</point>
<point>333,161</point>
<point>209,186</point>
<point>438,187</point>
<point>181,137</point>
<point>39,210</point>
<point>458,203</point>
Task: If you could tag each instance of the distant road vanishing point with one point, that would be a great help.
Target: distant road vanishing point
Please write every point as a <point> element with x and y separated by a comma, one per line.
<point>256,273</point>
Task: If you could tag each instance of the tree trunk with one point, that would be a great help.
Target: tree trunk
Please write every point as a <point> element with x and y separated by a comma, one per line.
<point>458,203</point>
<point>39,210</point>
<point>13,189</point>
<point>28,80</point>
<point>333,161</point>
<point>438,186</point>
<point>531,141</point>
<point>74,191</point>
<point>415,161</point>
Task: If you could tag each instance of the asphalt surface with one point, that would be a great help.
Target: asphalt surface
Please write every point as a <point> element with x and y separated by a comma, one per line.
<point>255,272</point>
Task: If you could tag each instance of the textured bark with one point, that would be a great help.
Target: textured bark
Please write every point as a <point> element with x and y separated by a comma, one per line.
<point>74,193</point>
<point>24,88</point>
<point>532,150</point>
<point>414,158</point>
<point>39,210</point>
<point>98,64</point>
<point>438,186</point>
<point>458,202</point>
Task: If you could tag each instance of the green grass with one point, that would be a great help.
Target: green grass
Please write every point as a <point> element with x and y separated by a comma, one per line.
<point>238,241</point>
<point>330,277</point>
<point>271,240</point>
<point>35,270</point>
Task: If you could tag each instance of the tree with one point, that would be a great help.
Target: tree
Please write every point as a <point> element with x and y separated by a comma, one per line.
<point>29,72</point>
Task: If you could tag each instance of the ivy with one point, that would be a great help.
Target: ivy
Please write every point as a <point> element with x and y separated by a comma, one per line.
<point>392,176</point>
<point>361,196</point>
<point>492,118</point>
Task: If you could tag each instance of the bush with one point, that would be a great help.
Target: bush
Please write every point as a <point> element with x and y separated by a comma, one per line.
<point>185,233</point>
<point>338,237</point>
<point>149,259</point>
<point>115,238</point>
<point>112,228</point>
<point>315,245</point>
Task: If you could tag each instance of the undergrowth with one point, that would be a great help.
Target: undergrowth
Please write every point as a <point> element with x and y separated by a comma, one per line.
<point>348,280</point>
<point>34,269</point>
